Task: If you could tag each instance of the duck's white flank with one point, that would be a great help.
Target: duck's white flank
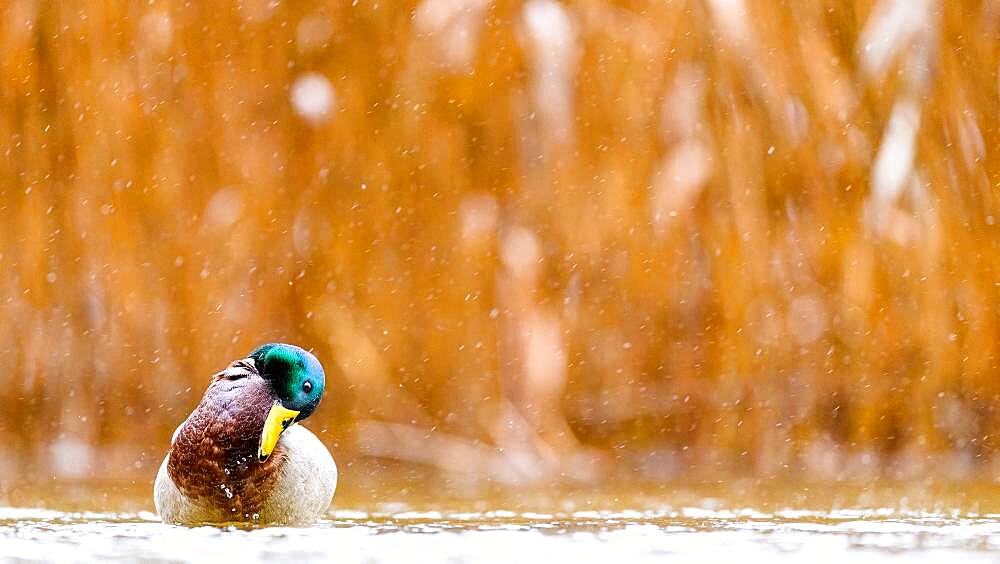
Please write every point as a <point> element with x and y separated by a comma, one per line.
<point>301,495</point>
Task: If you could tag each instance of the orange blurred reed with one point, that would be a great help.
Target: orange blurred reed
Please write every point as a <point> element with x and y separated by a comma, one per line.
<point>552,242</point>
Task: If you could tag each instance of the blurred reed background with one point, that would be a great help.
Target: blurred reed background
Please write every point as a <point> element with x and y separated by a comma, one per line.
<point>543,242</point>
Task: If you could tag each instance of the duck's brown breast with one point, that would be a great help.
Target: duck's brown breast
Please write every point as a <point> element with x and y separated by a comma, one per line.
<point>213,460</point>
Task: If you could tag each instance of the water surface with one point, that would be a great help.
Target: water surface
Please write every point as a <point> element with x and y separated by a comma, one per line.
<point>397,532</point>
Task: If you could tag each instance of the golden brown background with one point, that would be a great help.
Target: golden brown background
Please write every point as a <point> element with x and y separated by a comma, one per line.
<point>533,243</point>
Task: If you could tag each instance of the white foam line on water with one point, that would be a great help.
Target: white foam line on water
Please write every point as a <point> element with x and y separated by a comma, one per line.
<point>698,513</point>
<point>349,514</point>
<point>37,514</point>
<point>419,515</point>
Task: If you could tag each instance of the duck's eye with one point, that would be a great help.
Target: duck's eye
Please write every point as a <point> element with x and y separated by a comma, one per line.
<point>307,386</point>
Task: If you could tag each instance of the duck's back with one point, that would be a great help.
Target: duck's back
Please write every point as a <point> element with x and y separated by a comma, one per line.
<point>305,478</point>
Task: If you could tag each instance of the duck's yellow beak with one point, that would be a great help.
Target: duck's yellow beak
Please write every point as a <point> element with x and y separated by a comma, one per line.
<point>278,419</point>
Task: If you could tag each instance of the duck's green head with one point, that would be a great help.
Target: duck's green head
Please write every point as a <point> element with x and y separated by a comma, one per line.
<point>298,381</point>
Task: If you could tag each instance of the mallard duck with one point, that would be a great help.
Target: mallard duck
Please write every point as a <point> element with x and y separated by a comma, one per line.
<point>240,456</point>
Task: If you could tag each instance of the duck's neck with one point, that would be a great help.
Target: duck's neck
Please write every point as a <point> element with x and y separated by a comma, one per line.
<point>214,456</point>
